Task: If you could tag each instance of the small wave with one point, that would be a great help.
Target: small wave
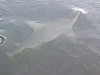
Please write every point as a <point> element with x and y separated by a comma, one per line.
<point>80,10</point>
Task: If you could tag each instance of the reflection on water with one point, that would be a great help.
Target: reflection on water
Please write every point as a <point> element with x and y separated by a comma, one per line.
<point>19,26</point>
<point>48,37</point>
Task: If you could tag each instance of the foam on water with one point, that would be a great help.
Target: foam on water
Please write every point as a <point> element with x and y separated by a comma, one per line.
<point>80,10</point>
